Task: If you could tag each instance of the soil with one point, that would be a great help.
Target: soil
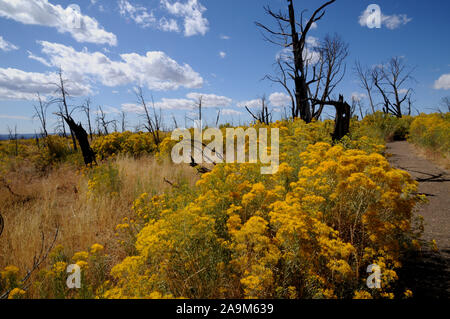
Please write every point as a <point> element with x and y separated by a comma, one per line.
<point>427,273</point>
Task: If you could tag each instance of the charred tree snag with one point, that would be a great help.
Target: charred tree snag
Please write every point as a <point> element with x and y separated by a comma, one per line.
<point>292,34</point>
<point>342,122</point>
<point>343,116</point>
<point>82,137</point>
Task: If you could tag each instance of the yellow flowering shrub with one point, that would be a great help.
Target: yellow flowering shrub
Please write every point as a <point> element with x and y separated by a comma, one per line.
<point>132,144</point>
<point>308,231</point>
<point>432,131</point>
<point>94,267</point>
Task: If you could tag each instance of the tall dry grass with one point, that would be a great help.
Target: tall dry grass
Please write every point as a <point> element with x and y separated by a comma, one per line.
<point>40,204</point>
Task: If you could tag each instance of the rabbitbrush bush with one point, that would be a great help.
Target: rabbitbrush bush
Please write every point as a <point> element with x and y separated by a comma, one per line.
<point>432,132</point>
<point>308,231</point>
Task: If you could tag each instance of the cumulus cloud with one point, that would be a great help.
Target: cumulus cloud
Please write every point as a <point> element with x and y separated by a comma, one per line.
<point>20,85</point>
<point>279,99</point>
<point>138,14</point>
<point>389,21</point>
<point>310,53</point>
<point>230,112</point>
<point>7,46</point>
<point>155,69</point>
<point>443,83</point>
<point>252,104</point>
<point>169,25</point>
<point>66,20</point>
<point>191,11</point>
<point>164,104</point>
<point>208,100</point>
<point>358,96</point>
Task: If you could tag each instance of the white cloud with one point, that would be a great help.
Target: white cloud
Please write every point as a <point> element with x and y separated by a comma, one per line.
<point>108,110</point>
<point>132,108</point>
<point>310,55</point>
<point>7,46</point>
<point>192,13</point>
<point>222,54</point>
<point>443,83</point>
<point>312,42</point>
<point>225,37</point>
<point>169,25</point>
<point>69,20</point>
<point>279,99</point>
<point>175,104</point>
<point>39,59</point>
<point>252,104</point>
<point>138,14</point>
<point>389,21</point>
<point>20,85</point>
<point>358,96</point>
<point>155,70</point>
<point>210,100</point>
<point>230,112</point>
<point>394,21</point>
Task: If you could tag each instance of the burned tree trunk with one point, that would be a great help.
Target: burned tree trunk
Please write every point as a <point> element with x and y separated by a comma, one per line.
<point>342,122</point>
<point>343,116</point>
<point>82,137</point>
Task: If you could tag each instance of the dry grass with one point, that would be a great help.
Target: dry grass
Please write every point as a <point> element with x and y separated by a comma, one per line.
<point>433,156</point>
<point>61,198</point>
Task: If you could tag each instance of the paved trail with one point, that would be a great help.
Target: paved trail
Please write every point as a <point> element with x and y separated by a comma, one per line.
<point>427,274</point>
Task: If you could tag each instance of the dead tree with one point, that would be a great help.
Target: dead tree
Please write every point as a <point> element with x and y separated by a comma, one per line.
<point>390,80</point>
<point>63,100</point>
<point>218,118</point>
<point>262,116</point>
<point>329,72</point>
<point>287,36</point>
<point>364,75</point>
<point>282,78</point>
<point>101,120</point>
<point>343,116</point>
<point>123,121</point>
<point>153,123</point>
<point>357,105</point>
<point>86,107</point>
<point>38,260</point>
<point>40,112</point>
<point>83,140</point>
<point>199,107</point>
<point>12,135</point>
<point>61,124</point>
<point>446,103</point>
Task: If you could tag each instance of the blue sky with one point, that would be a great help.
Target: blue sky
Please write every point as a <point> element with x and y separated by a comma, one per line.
<point>180,49</point>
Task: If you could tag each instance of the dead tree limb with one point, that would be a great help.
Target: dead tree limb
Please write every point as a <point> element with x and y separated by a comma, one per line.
<point>37,262</point>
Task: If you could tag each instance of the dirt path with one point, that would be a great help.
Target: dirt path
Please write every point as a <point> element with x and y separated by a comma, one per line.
<point>427,274</point>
